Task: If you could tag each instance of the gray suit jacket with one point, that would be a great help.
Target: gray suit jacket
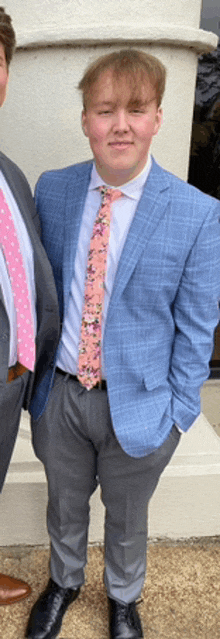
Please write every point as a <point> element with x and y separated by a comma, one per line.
<point>47,308</point>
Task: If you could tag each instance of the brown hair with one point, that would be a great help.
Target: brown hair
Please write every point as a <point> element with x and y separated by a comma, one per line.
<point>134,66</point>
<point>7,35</point>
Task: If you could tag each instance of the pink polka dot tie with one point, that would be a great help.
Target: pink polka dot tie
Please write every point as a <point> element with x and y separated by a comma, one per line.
<point>89,365</point>
<point>14,262</point>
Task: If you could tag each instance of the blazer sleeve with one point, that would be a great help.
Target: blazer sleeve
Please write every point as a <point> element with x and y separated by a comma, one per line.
<point>196,313</point>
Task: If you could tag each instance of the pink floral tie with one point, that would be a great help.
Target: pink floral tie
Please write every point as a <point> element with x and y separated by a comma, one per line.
<point>14,262</point>
<point>89,366</point>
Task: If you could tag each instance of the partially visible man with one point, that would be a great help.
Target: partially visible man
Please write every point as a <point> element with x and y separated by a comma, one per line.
<point>136,257</point>
<point>28,304</point>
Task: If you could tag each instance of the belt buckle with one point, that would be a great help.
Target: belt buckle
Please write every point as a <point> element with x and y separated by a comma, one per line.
<point>15,371</point>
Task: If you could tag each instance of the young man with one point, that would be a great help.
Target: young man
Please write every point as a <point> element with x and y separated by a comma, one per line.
<point>28,303</point>
<point>138,306</point>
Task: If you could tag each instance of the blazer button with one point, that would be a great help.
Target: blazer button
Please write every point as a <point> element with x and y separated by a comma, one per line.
<point>4,337</point>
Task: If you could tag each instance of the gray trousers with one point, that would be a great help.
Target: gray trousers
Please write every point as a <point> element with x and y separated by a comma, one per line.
<point>75,441</point>
<point>11,402</point>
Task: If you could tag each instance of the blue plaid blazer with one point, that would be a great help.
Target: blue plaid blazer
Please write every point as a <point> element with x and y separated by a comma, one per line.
<point>164,305</point>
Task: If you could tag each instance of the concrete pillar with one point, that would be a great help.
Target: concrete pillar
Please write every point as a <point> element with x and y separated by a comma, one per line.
<point>56,40</point>
<point>40,129</point>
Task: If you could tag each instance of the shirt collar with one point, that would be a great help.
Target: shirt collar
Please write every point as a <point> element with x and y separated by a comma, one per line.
<point>132,189</point>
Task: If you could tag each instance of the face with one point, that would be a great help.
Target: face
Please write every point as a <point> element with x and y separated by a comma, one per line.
<point>3,75</point>
<point>120,130</point>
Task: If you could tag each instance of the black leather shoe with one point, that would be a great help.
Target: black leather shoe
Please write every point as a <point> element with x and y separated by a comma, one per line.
<point>124,621</point>
<point>47,613</point>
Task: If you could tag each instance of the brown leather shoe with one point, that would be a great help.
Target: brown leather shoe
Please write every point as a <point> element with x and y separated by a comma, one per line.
<point>12,590</point>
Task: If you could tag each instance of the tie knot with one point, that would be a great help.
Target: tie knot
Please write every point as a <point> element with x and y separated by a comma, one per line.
<point>109,195</point>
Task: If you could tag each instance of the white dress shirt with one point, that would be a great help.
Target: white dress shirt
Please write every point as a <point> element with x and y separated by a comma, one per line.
<point>27,255</point>
<point>123,211</point>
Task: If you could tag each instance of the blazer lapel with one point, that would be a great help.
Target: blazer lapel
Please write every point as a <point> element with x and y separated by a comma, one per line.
<point>25,204</point>
<point>77,188</point>
<point>148,214</point>
<point>13,183</point>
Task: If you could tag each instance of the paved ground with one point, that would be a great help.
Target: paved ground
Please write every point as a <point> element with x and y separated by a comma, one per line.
<point>181,598</point>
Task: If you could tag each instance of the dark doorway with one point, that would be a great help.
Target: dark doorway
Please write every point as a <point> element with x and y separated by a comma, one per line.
<point>204,167</point>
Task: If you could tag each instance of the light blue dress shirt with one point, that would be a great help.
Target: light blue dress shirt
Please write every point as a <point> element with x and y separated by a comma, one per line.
<point>123,211</point>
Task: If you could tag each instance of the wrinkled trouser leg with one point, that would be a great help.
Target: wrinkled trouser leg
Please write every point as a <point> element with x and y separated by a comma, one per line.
<point>75,440</point>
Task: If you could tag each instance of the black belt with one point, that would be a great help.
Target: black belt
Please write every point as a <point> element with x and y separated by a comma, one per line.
<point>101,385</point>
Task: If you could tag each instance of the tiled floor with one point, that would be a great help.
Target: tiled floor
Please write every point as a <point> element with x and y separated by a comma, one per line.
<point>181,598</point>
